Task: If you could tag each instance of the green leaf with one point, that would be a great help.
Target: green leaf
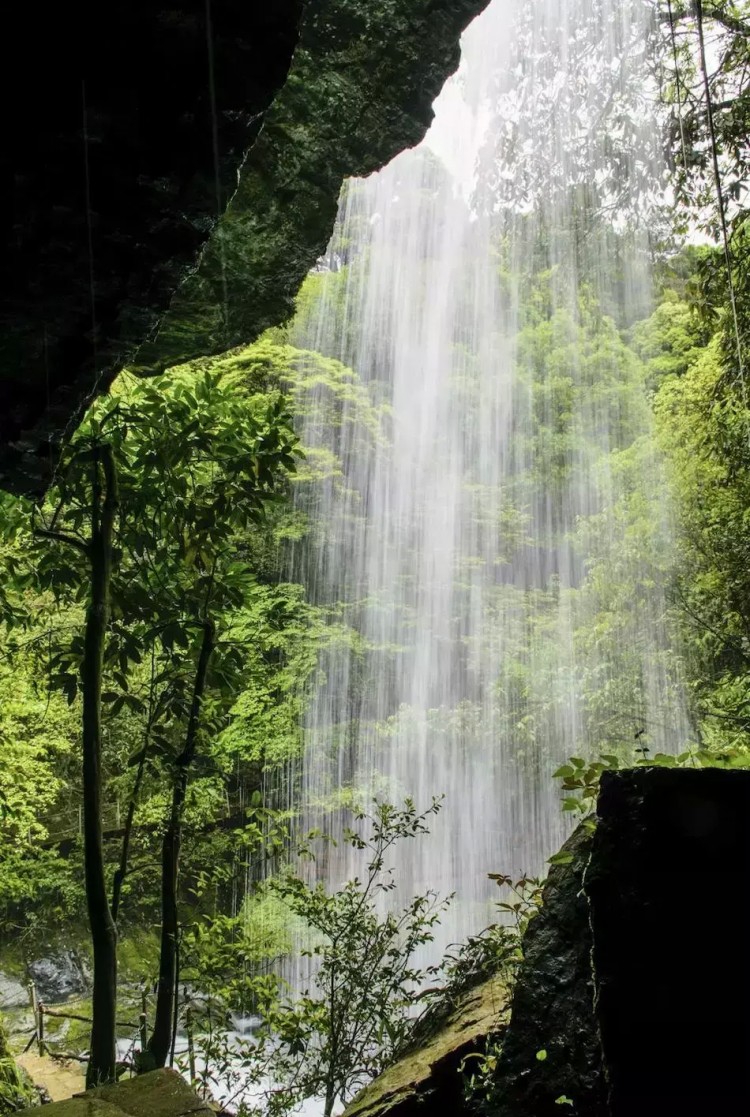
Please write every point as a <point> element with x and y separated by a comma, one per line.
<point>572,804</point>
<point>564,772</point>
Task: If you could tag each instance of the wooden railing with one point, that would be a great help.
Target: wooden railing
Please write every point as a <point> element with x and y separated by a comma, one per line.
<point>41,1012</point>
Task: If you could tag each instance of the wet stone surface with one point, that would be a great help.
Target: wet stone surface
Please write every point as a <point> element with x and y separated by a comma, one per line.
<point>58,977</point>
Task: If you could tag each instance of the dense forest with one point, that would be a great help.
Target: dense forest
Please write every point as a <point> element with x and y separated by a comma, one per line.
<point>172,612</point>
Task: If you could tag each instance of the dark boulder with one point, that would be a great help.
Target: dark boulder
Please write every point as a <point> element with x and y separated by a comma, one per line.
<point>59,976</point>
<point>612,1013</point>
<point>670,912</point>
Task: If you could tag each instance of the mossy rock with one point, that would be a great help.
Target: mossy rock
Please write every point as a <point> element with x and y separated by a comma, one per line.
<point>432,1069</point>
<point>163,1093</point>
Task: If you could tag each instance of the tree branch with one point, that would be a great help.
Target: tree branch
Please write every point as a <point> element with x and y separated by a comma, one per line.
<point>63,537</point>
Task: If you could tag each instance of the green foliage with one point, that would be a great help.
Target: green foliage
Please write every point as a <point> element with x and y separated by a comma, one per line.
<point>354,1015</point>
<point>580,778</point>
<point>702,424</point>
<point>574,150</point>
<point>670,339</point>
<point>203,464</point>
<point>39,788</point>
<point>16,1089</point>
<point>497,950</point>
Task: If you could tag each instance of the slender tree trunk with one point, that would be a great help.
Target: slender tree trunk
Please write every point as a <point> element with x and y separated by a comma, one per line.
<point>159,1043</point>
<point>330,1100</point>
<point>102,1063</point>
<point>122,868</point>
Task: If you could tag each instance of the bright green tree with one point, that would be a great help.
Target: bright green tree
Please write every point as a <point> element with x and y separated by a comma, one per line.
<point>144,527</point>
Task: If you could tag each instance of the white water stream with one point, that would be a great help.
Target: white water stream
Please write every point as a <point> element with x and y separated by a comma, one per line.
<point>493,531</point>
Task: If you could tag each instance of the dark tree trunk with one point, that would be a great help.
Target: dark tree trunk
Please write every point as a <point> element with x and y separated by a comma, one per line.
<point>161,1037</point>
<point>122,869</point>
<point>102,1063</point>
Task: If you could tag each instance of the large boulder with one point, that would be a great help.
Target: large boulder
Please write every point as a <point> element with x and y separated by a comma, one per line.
<point>670,915</point>
<point>13,993</point>
<point>611,1016</point>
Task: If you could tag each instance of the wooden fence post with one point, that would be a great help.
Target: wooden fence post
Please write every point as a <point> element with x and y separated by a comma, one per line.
<point>34,1013</point>
<point>143,1029</point>
<point>191,1045</point>
<point>40,1027</point>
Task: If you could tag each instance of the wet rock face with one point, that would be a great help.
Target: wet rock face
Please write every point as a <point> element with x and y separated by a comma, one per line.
<point>126,135</point>
<point>59,976</point>
<point>359,91</point>
<point>670,911</point>
<point>553,1006</point>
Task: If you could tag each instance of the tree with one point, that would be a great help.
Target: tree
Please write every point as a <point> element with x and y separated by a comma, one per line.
<point>364,972</point>
<point>146,523</point>
<point>574,139</point>
<point>706,80</point>
<point>710,104</point>
<point>92,464</point>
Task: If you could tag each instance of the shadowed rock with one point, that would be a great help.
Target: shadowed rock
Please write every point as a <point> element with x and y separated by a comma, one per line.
<point>670,914</point>
<point>128,124</point>
<point>552,1011</point>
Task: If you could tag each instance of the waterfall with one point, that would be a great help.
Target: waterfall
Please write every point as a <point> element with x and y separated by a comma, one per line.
<point>489,535</point>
